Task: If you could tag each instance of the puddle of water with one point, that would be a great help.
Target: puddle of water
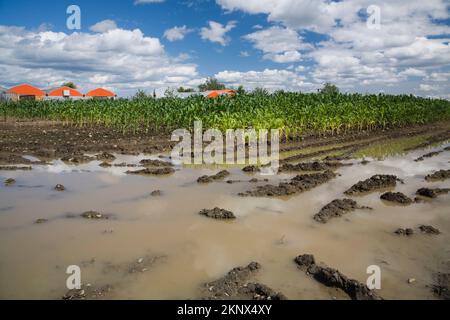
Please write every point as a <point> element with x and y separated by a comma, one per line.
<point>270,231</point>
<point>392,147</point>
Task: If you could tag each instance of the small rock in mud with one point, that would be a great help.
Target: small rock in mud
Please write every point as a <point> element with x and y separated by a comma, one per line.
<point>125,165</point>
<point>87,292</point>
<point>428,155</point>
<point>105,156</point>
<point>155,163</point>
<point>94,215</point>
<point>9,182</point>
<point>105,165</point>
<point>60,187</point>
<point>404,232</point>
<point>251,169</point>
<point>219,176</point>
<point>333,278</point>
<point>336,208</point>
<point>145,263</point>
<point>300,183</point>
<point>40,221</point>
<point>153,171</point>
<point>440,175</point>
<point>431,193</point>
<point>217,213</point>
<point>311,166</point>
<point>156,193</point>
<point>77,159</point>
<point>429,230</point>
<point>374,183</point>
<point>397,197</point>
<point>254,180</point>
<point>15,168</point>
<point>139,265</point>
<point>236,285</point>
<point>441,287</point>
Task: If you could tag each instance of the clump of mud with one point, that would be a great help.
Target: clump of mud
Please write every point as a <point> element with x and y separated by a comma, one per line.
<point>60,187</point>
<point>397,197</point>
<point>153,171</point>
<point>105,156</point>
<point>300,183</point>
<point>429,230</point>
<point>105,164</point>
<point>441,286</point>
<point>125,165</point>
<point>236,285</point>
<point>217,177</point>
<point>155,163</point>
<point>217,213</point>
<point>428,155</point>
<point>15,168</point>
<point>337,208</point>
<point>94,215</point>
<point>9,182</point>
<point>374,183</point>
<point>77,158</point>
<point>40,221</point>
<point>440,175</point>
<point>87,292</point>
<point>404,232</point>
<point>333,278</point>
<point>431,193</point>
<point>156,193</point>
<point>312,166</point>
<point>251,169</point>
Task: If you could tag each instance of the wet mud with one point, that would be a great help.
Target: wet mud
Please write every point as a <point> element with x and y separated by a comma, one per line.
<point>375,183</point>
<point>333,278</point>
<point>298,184</point>
<point>337,208</point>
<point>238,285</point>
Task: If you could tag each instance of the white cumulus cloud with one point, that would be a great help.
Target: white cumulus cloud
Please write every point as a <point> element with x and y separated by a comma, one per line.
<point>176,33</point>
<point>217,32</point>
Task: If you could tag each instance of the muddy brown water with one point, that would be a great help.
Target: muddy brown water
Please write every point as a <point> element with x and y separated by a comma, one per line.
<point>196,250</point>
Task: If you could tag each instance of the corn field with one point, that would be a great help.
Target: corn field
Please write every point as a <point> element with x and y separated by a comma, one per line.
<point>294,113</point>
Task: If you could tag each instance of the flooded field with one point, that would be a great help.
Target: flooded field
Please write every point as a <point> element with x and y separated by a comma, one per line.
<point>157,246</point>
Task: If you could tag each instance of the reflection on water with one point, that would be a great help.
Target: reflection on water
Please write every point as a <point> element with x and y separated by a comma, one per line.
<point>196,249</point>
<point>393,147</point>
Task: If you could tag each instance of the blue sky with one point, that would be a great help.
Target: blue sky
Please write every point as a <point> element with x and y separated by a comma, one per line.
<point>296,45</point>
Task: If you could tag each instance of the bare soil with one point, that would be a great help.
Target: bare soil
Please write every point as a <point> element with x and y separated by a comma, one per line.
<point>48,140</point>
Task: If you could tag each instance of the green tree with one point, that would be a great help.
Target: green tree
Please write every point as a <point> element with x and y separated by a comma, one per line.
<point>140,94</point>
<point>260,92</point>
<point>240,90</point>
<point>69,85</point>
<point>329,89</point>
<point>181,90</point>
<point>211,84</point>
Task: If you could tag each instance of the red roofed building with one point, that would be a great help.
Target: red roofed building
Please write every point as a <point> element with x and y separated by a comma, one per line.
<point>25,92</point>
<point>101,93</point>
<point>64,92</point>
<point>217,93</point>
